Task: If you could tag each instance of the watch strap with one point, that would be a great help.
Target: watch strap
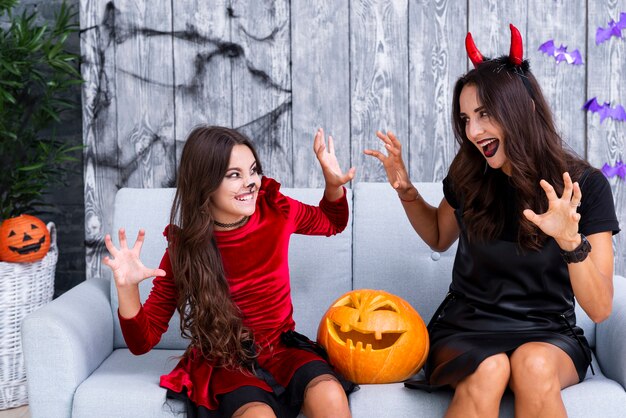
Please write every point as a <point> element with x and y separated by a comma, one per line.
<point>579,253</point>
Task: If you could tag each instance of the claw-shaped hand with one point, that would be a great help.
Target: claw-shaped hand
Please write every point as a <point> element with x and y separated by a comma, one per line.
<point>128,270</point>
<point>560,221</point>
<point>392,162</point>
<point>333,175</point>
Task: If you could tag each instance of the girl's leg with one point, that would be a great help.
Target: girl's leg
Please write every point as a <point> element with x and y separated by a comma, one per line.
<point>538,373</point>
<point>479,394</point>
<point>254,410</point>
<point>247,402</point>
<point>324,397</point>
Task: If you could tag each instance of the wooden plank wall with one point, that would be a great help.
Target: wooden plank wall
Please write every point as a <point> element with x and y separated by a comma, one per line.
<point>280,69</point>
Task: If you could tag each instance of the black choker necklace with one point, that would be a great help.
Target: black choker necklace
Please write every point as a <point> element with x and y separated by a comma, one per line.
<point>234,224</point>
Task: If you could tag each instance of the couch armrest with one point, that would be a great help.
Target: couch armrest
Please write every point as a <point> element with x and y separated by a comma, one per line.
<point>63,342</point>
<point>611,336</point>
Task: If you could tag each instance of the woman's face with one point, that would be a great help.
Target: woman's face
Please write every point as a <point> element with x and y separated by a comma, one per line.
<point>236,196</point>
<point>484,132</point>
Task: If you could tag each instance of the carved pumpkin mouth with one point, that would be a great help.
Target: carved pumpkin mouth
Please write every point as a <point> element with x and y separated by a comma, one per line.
<point>27,249</point>
<point>365,340</point>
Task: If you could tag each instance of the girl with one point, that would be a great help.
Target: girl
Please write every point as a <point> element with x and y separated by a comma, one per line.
<point>524,251</point>
<point>225,271</point>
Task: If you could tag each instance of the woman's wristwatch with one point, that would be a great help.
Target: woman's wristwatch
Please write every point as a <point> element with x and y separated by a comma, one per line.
<point>579,253</point>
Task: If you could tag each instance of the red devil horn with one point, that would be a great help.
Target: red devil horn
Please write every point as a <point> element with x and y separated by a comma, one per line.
<point>517,49</point>
<point>472,52</point>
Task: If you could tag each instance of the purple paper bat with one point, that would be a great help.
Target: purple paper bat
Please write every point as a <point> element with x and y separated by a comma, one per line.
<point>560,53</point>
<point>619,169</point>
<point>614,29</point>
<point>605,110</point>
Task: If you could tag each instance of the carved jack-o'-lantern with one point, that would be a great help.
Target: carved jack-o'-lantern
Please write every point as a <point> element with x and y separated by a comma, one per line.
<point>372,336</point>
<point>24,238</point>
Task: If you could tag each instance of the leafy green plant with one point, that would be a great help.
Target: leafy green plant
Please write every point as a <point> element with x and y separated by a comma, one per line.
<point>36,74</point>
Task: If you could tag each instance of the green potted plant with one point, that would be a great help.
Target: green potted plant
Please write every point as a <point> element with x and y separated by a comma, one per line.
<point>36,75</point>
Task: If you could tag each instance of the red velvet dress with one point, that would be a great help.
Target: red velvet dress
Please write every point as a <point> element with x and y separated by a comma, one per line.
<point>255,259</point>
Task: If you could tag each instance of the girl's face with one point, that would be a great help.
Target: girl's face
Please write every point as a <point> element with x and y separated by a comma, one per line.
<point>482,130</point>
<point>236,196</point>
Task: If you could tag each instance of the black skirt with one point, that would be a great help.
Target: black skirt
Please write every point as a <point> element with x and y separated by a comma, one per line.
<point>456,353</point>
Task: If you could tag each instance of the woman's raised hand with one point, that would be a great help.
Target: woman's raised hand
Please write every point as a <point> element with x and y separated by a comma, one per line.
<point>392,162</point>
<point>560,221</point>
<point>333,175</point>
<point>128,270</point>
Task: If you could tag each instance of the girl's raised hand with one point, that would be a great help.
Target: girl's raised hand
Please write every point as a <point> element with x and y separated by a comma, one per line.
<point>128,270</point>
<point>560,221</point>
<point>392,162</point>
<point>333,175</point>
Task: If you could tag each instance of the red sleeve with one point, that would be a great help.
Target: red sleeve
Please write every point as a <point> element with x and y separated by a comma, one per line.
<point>144,331</point>
<point>329,218</point>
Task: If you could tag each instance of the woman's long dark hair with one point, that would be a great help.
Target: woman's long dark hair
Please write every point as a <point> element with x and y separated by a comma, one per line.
<point>532,145</point>
<point>208,316</point>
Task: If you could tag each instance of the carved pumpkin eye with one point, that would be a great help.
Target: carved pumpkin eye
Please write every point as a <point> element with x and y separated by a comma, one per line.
<point>372,336</point>
<point>24,238</point>
<point>385,308</point>
<point>349,304</point>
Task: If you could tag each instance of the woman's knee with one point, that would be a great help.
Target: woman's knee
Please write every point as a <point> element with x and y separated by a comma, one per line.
<point>495,369</point>
<point>533,369</point>
<point>491,376</point>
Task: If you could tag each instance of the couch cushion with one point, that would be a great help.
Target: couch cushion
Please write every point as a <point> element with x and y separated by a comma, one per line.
<point>128,386</point>
<point>148,209</point>
<point>597,396</point>
<point>388,253</point>
<point>394,401</point>
<point>321,267</point>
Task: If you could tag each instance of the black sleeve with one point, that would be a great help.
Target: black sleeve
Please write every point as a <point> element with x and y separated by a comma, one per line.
<point>597,208</point>
<point>449,194</point>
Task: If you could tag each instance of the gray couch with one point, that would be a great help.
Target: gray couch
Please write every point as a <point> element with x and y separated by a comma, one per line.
<point>78,365</point>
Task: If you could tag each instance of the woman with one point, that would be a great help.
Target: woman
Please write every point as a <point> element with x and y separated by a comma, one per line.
<point>226,272</point>
<point>530,239</point>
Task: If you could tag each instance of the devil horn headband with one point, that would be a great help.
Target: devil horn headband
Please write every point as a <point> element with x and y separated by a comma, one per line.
<point>515,55</point>
<point>472,52</point>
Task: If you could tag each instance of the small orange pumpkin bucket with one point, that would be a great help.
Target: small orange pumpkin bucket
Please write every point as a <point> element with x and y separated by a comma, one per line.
<point>23,238</point>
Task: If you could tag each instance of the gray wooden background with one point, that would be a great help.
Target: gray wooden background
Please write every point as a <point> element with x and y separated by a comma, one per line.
<point>278,70</point>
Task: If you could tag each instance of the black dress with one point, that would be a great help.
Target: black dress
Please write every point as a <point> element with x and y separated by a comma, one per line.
<point>502,297</point>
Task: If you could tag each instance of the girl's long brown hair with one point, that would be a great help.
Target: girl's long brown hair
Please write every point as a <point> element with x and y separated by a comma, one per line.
<point>208,316</point>
<point>531,143</point>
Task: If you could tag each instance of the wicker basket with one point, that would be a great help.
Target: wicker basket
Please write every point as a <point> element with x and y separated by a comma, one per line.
<point>24,287</point>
